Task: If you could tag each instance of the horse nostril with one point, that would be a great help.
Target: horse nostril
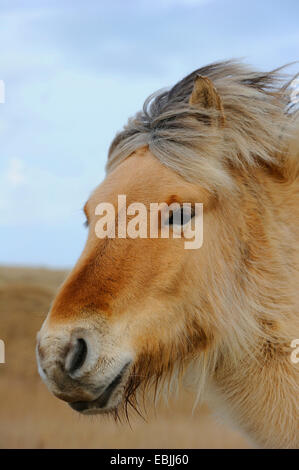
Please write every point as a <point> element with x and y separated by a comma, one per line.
<point>78,356</point>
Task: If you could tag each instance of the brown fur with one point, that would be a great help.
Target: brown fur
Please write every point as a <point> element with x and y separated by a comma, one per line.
<point>223,316</point>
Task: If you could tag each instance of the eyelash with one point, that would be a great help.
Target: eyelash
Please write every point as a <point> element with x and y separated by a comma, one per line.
<point>183,216</point>
<point>170,220</point>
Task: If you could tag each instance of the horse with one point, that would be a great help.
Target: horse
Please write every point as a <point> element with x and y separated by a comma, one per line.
<point>140,316</point>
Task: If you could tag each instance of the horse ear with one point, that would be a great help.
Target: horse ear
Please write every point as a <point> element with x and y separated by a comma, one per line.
<point>204,94</point>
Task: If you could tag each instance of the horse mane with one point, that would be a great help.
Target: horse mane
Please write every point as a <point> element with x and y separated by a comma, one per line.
<point>260,130</point>
<point>260,119</point>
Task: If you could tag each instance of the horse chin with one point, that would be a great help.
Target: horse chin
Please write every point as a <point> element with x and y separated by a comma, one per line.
<point>109,400</point>
<point>95,407</point>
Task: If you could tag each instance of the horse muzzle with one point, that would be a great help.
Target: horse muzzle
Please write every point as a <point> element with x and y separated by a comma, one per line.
<point>75,368</point>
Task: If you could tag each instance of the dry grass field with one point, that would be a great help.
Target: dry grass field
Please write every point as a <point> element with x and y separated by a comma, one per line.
<point>30,417</point>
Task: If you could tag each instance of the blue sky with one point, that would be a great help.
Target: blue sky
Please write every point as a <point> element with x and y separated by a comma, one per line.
<point>74,71</point>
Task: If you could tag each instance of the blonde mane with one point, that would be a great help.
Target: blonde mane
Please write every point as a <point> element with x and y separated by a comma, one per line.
<point>259,120</point>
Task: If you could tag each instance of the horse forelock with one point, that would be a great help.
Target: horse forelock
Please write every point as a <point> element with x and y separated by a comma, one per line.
<point>259,121</point>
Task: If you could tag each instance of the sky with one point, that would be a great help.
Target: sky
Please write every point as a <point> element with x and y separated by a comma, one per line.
<point>75,71</point>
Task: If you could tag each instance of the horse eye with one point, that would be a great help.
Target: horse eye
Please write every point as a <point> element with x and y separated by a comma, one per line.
<point>181,216</point>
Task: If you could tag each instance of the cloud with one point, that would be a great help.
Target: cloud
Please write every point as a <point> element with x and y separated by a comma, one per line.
<point>75,71</point>
<point>15,172</point>
<point>31,196</point>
